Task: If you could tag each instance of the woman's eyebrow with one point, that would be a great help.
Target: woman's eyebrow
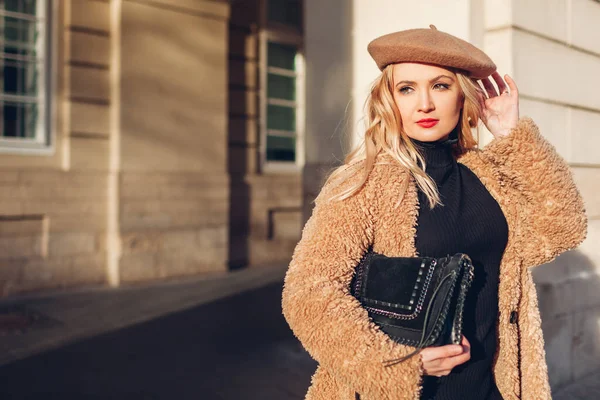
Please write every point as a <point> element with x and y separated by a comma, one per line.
<point>431,80</point>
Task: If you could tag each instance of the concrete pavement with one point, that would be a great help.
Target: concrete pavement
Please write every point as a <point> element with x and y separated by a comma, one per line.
<point>585,389</point>
<point>238,347</point>
<point>60,318</point>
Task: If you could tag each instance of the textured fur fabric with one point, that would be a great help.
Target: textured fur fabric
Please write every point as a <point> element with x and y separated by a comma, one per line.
<point>546,216</point>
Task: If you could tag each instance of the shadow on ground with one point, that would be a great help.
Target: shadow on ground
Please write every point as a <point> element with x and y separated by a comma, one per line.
<point>236,348</point>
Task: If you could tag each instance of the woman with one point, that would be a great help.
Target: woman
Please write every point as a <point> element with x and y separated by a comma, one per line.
<point>418,186</point>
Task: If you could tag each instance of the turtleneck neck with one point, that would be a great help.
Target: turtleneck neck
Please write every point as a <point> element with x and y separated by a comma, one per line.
<point>438,153</point>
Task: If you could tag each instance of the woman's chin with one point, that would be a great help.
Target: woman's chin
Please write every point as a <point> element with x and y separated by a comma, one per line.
<point>428,135</point>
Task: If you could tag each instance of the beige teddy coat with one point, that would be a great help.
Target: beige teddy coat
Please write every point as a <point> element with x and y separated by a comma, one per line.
<point>545,213</point>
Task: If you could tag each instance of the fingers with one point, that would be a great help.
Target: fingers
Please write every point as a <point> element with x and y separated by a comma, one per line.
<point>511,84</point>
<point>449,363</point>
<point>465,342</point>
<point>441,352</point>
<point>506,85</point>
<point>444,366</point>
<point>500,82</point>
<point>489,88</point>
<point>439,361</point>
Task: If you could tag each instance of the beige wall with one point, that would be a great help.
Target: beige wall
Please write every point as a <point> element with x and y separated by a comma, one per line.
<point>330,111</point>
<point>139,155</point>
<point>53,207</point>
<point>174,193</point>
<point>155,170</point>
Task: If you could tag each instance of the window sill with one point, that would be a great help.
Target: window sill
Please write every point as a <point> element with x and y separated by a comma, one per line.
<point>274,167</point>
<point>25,149</point>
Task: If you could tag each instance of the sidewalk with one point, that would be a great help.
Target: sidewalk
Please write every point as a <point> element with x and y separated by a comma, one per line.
<point>61,318</point>
<point>587,388</point>
<point>238,347</point>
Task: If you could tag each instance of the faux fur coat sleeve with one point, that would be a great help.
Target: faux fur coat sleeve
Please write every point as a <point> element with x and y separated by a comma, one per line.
<point>329,322</point>
<point>551,210</point>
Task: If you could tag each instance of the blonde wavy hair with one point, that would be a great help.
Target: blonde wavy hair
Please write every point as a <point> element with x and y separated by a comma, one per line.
<point>385,134</point>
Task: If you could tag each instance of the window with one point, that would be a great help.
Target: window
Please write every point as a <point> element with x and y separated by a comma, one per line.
<point>281,102</point>
<point>24,90</point>
<point>282,85</point>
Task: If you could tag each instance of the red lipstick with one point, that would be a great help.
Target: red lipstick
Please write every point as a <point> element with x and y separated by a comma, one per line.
<point>428,122</point>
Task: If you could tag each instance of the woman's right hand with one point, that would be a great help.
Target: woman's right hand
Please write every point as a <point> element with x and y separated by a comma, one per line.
<point>439,361</point>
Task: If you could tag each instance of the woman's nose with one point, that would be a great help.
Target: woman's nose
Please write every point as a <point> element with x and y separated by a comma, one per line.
<point>426,102</point>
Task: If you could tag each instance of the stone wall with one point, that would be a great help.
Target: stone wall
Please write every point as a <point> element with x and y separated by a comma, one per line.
<point>53,206</point>
<point>154,170</point>
<point>135,186</point>
<point>174,190</point>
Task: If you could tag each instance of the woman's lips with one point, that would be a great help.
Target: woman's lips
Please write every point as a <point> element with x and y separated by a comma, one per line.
<point>428,123</point>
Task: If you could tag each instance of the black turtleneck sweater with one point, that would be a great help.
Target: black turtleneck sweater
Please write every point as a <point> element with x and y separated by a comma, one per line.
<point>470,221</point>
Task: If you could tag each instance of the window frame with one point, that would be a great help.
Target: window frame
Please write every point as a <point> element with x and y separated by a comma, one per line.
<point>43,143</point>
<point>285,35</point>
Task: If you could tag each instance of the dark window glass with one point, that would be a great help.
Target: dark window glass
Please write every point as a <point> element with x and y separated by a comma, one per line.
<point>20,78</point>
<point>281,87</point>
<point>20,6</point>
<point>287,12</point>
<point>19,119</point>
<point>281,56</point>
<point>22,51</point>
<point>281,118</point>
<point>281,148</point>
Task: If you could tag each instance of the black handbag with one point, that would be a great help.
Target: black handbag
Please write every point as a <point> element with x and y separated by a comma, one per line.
<point>417,301</point>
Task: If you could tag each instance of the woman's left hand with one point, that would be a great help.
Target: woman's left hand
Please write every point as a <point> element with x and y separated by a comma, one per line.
<point>500,111</point>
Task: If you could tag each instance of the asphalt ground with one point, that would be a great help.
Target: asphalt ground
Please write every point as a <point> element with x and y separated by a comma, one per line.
<point>239,347</point>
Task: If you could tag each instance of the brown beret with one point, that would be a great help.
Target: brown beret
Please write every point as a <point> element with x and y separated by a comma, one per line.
<point>432,47</point>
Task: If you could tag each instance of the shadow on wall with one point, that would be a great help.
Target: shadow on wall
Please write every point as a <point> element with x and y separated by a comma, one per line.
<point>239,139</point>
<point>330,76</point>
<point>160,128</point>
<point>569,298</point>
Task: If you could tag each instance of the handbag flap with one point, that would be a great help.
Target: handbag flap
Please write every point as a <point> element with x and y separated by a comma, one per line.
<point>396,282</point>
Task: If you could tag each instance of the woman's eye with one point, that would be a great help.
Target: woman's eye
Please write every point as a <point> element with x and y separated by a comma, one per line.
<point>405,90</point>
<point>441,86</point>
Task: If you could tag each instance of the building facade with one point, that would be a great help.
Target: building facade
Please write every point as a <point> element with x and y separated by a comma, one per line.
<point>150,139</point>
<point>130,141</point>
